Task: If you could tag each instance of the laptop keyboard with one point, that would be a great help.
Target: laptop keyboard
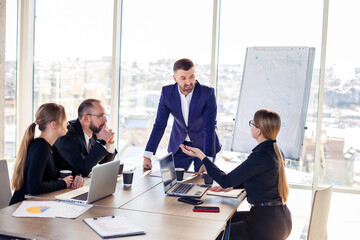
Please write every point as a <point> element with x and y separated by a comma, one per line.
<point>82,196</point>
<point>182,188</point>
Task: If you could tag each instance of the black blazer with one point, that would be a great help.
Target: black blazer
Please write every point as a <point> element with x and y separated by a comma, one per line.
<point>40,173</point>
<point>70,151</point>
<point>259,173</point>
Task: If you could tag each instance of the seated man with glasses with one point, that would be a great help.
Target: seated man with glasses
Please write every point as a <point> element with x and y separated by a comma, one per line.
<point>88,141</point>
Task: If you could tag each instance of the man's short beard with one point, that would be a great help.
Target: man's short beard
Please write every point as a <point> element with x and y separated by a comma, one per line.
<point>187,90</point>
<point>94,129</point>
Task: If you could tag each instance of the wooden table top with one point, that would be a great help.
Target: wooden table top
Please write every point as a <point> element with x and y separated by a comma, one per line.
<point>157,226</point>
<point>156,201</point>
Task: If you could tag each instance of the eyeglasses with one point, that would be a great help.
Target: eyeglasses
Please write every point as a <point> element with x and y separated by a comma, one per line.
<point>102,116</point>
<point>251,123</point>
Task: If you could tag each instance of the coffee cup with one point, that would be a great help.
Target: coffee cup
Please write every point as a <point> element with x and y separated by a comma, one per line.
<point>179,174</point>
<point>128,178</point>
<point>121,168</point>
<point>65,173</point>
<point>207,179</point>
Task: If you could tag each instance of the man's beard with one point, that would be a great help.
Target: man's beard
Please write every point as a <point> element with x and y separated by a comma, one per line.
<point>94,128</point>
<point>184,90</point>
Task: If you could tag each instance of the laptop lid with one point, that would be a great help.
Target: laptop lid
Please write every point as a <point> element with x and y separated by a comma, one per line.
<point>103,180</point>
<point>168,174</point>
<point>103,183</point>
<point>167,170</point>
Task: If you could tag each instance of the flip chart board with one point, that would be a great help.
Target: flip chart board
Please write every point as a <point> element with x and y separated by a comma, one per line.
<point>277,78</point>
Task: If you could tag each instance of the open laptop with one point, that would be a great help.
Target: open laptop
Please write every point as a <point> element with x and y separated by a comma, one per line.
<point>103,183</point>
<point>174,188</point>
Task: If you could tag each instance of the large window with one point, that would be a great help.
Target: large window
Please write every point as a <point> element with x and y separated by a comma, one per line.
<point>154,35</point>
<point>73,49</point>
<point>10,79</point>
<point>73,61</point>
<point>340,146</point>
<point>266,23</point>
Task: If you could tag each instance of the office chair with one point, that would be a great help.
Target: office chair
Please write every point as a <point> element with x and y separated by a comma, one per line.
<point>319,214</point>
<point>5,190</point>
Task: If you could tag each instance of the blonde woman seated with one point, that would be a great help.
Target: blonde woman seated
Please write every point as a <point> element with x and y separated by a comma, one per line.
<point>263,176</point>
<point>35,171</point>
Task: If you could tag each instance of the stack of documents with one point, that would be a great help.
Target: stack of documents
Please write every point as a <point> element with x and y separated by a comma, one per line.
<point>113,226</point>
<point>232,193</point>
<point>50,209</point>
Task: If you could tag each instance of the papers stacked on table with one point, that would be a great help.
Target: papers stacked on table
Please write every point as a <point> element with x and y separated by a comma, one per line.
<point>113,226</point>
<point>50,209</point>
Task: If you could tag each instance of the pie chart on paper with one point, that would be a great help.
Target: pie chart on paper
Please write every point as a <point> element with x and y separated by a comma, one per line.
<point>37,209</point>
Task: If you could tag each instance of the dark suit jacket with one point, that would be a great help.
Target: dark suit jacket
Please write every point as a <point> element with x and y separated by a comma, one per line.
<point>70,151</point>
<point>201,122</point>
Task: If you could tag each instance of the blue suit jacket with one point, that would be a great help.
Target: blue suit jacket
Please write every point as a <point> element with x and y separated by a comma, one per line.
<point>201,122</point>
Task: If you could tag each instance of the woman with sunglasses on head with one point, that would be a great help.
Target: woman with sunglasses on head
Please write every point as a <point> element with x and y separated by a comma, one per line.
<point>35,171</point>
<point>263,176</point>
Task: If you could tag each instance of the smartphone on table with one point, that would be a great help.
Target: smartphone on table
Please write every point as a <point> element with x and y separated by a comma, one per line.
<point>190,200</point>
<point>206,209</point>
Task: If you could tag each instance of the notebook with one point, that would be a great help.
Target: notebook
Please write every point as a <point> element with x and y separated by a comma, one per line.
<point>103,183</point>
<point>235,193</point>
<point>172,187</point>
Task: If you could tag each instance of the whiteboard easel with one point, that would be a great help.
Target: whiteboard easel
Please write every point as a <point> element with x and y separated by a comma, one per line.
<point>277,78</point>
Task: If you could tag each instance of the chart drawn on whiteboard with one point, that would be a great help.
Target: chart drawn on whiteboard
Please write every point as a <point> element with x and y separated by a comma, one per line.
<point>269,74</point>
<point>276,78</point>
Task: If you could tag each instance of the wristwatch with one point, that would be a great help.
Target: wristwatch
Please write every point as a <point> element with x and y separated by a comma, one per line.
<point>101,141</point>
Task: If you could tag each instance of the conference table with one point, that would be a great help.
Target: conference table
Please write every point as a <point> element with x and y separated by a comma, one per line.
<point>144,204</point>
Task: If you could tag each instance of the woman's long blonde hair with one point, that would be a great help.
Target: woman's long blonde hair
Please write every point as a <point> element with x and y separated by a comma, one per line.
<point>269,123</point>
<point>46,113</point>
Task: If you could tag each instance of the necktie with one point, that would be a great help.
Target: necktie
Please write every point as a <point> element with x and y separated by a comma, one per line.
<point>92,141</point>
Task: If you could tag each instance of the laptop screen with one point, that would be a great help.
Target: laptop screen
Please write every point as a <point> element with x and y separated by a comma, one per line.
<point>167,169</point>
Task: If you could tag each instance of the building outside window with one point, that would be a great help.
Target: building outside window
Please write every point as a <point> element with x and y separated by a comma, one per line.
<point>244,24</point>
<point>73,49</point>
<point>10,79</point>
<point>340,145</point>
<point>151,42</point>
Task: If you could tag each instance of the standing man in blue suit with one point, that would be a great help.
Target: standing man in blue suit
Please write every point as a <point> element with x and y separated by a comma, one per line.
<point>194,109</point>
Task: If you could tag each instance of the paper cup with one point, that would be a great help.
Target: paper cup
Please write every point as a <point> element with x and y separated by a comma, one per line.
<point>179,174</point>
<point>128,178</point>
<point>65,173</point>
<point>207,179</point>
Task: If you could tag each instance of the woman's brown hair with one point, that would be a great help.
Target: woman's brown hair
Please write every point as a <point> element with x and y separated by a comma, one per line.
<point>269,123</point>
<point>46,113</point>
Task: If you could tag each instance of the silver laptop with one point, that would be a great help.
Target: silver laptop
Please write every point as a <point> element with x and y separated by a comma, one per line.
<point>102,184</point>
<point>174,188</point>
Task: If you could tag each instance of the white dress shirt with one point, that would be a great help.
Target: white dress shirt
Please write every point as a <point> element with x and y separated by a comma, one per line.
<point>185,107</point>
<point>109,146</point>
